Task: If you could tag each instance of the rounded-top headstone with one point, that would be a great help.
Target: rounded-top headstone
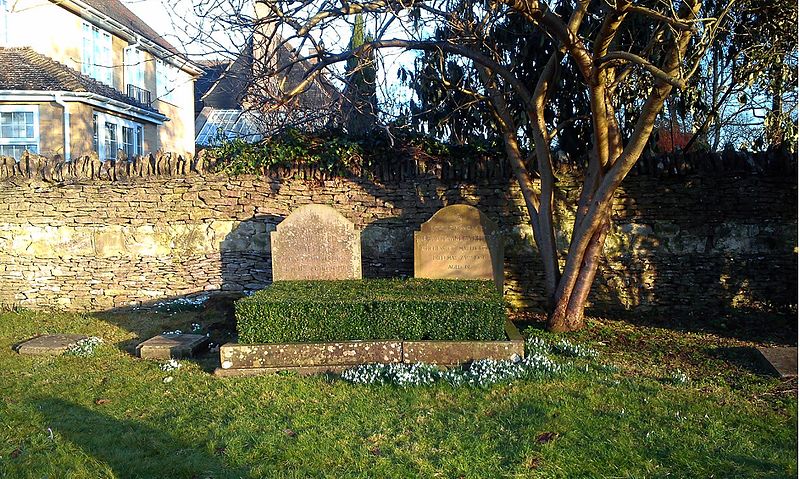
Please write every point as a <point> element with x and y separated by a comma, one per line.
<point>315,242</point>
<point>459,242</point>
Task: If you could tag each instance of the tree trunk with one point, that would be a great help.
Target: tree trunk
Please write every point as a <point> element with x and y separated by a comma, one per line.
<point>568,315</point>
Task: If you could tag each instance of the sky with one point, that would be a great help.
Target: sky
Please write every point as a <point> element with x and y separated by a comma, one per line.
<point>153,12</point>
<point>161,16</point>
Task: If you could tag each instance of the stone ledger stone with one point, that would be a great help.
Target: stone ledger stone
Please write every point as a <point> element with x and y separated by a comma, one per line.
<point>315,242</point>
<point>171,346</point>
<point>459,242</point>
<point>781,362</point>
<point>345,353</point>
<point>53,344</point>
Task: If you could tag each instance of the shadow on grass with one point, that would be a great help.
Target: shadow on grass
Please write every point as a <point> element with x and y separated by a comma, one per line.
<point>215,317</point>
<point>743,357</point>
<point>740,324</point>
<point>130,448</point>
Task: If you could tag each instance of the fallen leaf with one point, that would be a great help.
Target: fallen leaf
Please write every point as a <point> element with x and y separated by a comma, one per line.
<point>546,437</point>
<point>102,401</point>
<point>289,432</point>
<point>532,463</point>
<point>375,451</point>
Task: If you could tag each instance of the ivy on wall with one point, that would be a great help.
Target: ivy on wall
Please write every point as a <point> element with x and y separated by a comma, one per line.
<point>337,153</point>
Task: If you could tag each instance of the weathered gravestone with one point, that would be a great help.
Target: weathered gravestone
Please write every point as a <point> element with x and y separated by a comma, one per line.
<point>53,344</point>
<point>315,242</point>
<point>166,346</point>
<point>779,361</point>
<point>459,242</point>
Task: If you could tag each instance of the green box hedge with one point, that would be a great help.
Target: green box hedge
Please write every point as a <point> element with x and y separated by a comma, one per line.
<point>415,309</point>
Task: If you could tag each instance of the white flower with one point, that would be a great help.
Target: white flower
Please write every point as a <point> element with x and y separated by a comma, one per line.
<point>84,347</point>
<point>170,365</point>
<point>482,373</point>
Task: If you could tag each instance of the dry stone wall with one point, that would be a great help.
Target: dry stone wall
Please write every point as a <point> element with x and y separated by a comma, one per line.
<point>693,243</point>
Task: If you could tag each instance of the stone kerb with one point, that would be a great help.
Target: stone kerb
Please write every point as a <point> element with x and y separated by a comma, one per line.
<point>459,242</point>
<point>315,242</point>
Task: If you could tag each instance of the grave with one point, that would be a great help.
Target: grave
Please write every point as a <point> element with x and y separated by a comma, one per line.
<point>168,346</point>
<point>49,344</point>
<point>315,242</point>
<point>459,242</point>
<point>780,362</point>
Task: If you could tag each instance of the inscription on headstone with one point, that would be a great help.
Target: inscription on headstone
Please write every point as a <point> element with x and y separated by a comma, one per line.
<point>459,242</point>
<point>315,242</point>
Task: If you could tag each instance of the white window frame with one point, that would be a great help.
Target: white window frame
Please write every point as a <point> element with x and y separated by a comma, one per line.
<point>167,76</point>
<point>134,66</point>
<point>104,119</point>
<point>27,140</point>
<point>97,60</point>
<point>228,124</point>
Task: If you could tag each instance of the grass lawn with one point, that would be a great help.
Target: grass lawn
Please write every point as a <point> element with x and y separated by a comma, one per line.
<point>113,415</point>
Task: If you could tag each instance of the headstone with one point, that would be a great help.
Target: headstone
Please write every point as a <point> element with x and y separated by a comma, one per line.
<point>167,346</point>
<point>315,242</point>
<point>459,242</point>
<point>53,344</point>
<point>780,361</point>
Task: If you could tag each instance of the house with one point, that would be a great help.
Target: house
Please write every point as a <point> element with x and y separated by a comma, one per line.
<point>236,99</point>
<point>81,76</point>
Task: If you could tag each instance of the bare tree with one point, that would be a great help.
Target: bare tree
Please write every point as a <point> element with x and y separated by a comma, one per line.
<point>593,37</point>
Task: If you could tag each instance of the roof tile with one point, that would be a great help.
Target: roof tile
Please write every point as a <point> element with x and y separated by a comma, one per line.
<point>25,69</point>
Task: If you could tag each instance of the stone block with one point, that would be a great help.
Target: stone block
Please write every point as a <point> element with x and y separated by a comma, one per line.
<point>460,352</point>
<point>459,242</point>
<point>282,355</point>
<point>316,242</point>
<point>301,370</point>
<point>49,344</point>
<point>171,346</point>
<point>780,362</point>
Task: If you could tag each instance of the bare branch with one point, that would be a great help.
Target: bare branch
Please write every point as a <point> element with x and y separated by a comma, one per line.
<point>627,57</point>
<point>675,23</point>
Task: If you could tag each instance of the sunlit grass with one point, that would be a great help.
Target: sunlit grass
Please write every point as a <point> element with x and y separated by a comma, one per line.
<point>113,415</point>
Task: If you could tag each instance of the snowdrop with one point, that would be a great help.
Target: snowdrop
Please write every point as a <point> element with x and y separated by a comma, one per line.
<point>170,365</point>
<point>678,377</point>
<point>479,373</point>
<point>84,347</point>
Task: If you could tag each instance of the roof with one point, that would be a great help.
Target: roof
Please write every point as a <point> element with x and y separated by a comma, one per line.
<point>226,84</point>
<point>120,13</point>
<point>212,71</point>
<point>25,69</point>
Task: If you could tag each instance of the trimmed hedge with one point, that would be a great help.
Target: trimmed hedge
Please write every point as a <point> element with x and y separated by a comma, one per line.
<point>415,309</point>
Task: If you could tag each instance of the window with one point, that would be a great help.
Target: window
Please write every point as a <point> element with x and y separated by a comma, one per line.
<point>228,124</point>
<point>129,141</point>
<point>110,141</point>
<point>166,81</point>
<point>19,130</point>
<point>95,135</point>
<point>114,133</point>
<point>134,66</point>
<point>96,55</point>
<point>139,140</point>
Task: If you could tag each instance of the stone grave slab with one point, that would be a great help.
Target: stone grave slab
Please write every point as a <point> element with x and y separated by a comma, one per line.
<point>459,242</point>
<point>49,344</point>
<point>315,242</point>
<point>780,362</point>
<point>168,346</point>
